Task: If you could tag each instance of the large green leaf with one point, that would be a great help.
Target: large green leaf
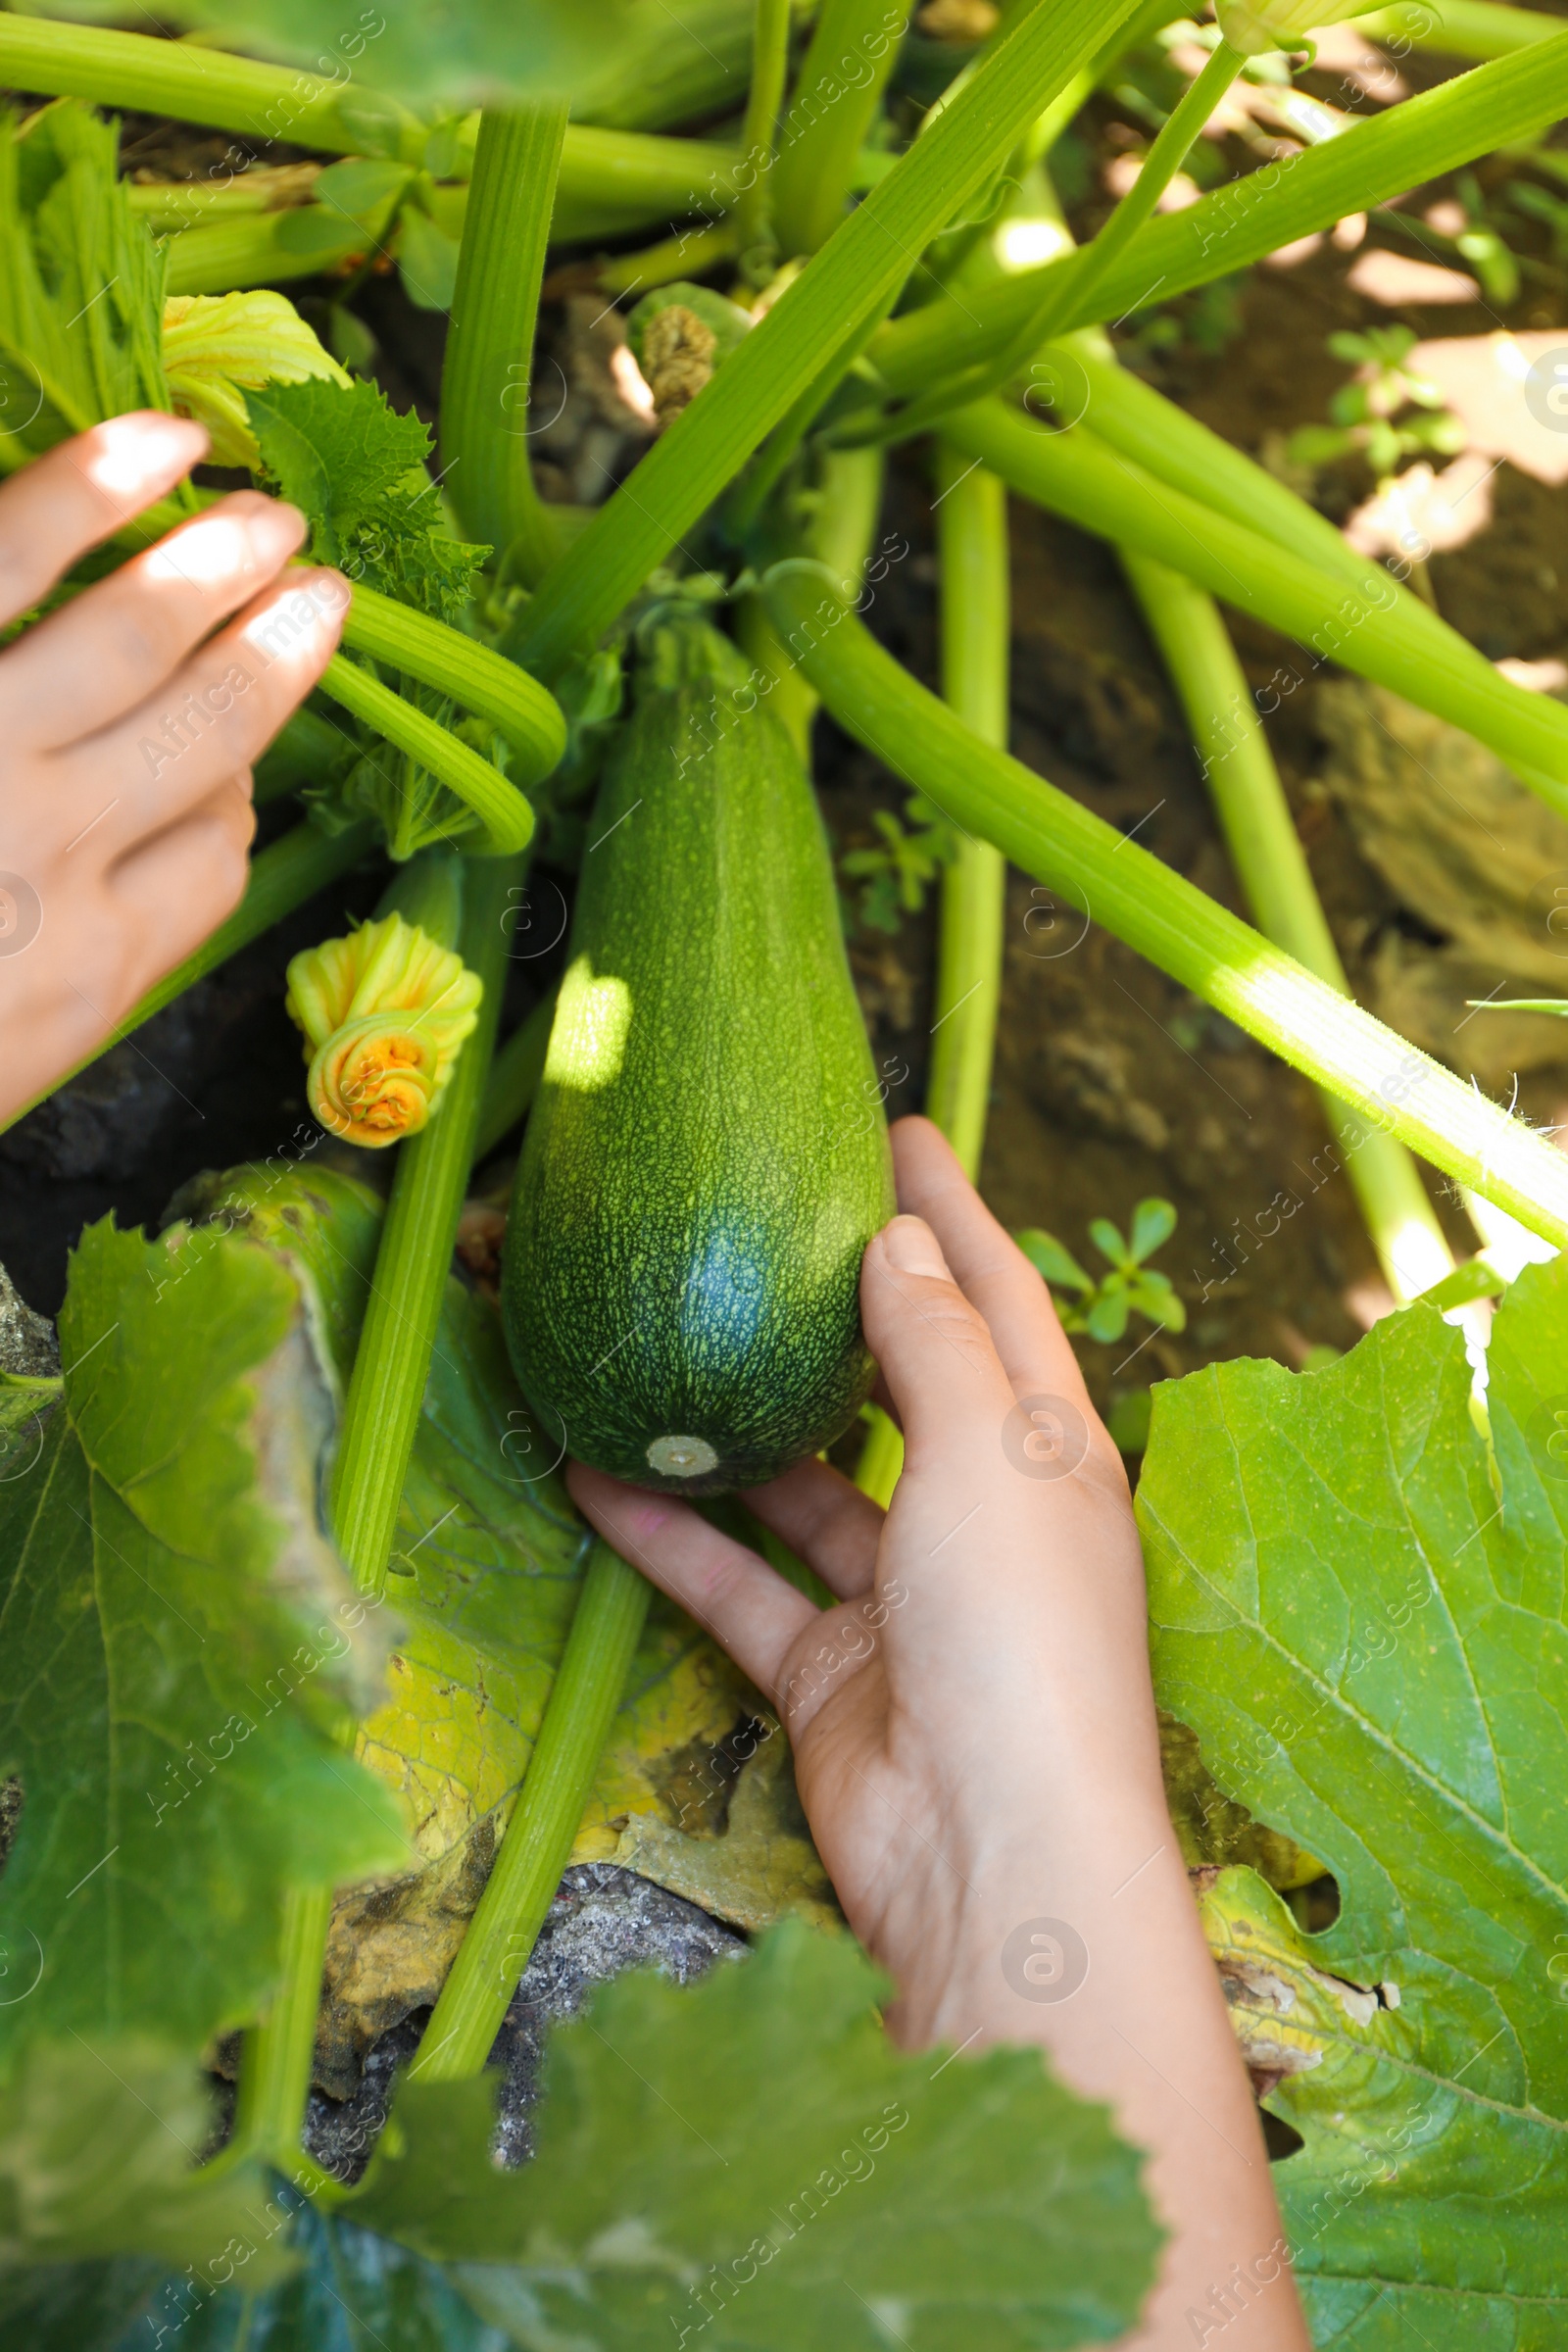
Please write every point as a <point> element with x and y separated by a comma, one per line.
<point>97,2156</point>
<point>747,2164</point>
<point>618,61</point>
<point>178,1642</point>
<point>1361,1615</point>
<point>753,2159</point>
<point>81,291</point>
<point>349,2292</point>
<point>486,1568</point>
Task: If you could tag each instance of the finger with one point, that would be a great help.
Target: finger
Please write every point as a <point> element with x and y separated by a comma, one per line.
<point>118,643</point>
<point>169,893</point>
<point>826,1519</point>
<point>149,913</point>
<point>218,712</point>
<point>987,1263</point>
<point>934,1347</point>
<point>80,493</point>
<point>753,1615</point>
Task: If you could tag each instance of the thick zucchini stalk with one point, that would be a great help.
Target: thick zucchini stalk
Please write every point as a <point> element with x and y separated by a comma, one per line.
<point>1255,817</point>
<point>1200,943</point>
<point>489,355</point>
<point>851,54</point>
<point>770,57</point>
<point>1367,626</point>
<point>971,509</point>
<point>514,1077</point>
<point>376,1441</point>
<point>543,1828</point>
<point>843,289</point>
<point>1160,167</point>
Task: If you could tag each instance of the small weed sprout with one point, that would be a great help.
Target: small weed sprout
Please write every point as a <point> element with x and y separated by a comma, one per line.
<point>1101,1307</point>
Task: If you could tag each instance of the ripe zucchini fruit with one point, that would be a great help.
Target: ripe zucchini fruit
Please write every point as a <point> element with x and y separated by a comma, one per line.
<point>707,1156</point>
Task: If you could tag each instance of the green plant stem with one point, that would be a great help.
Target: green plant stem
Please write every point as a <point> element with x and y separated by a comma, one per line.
<point>1099,257</point>
<point>1160,914</point>
<point>489,355</point>
<point>845,504</point>
<point>971,512</point>
<point>1469,29</point>
<point>828,119</point>
<point>584,1700</point>
<point>629,173</point>
<point>972,550</point>
<point>375,1440</point>
<point>281,878</point>
<point>414,1260</point>
<point>1140,425</point>
<point>1265,850</point>
<point>482,680</point>
<point>275,2057</point>
<point>691,254</point>
<point>840,289</point>
<point>1498,105</point>
<point>756,488</point>
<point>501,808</point>
<point>771,60</point>
<point>514,1077</point>
<point>1368,628</point>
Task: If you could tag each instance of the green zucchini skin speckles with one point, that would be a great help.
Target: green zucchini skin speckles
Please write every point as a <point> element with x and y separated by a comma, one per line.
<point>708,1157</point>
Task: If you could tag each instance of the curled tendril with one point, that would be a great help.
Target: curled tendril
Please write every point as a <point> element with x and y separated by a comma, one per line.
<point>384,1012</point>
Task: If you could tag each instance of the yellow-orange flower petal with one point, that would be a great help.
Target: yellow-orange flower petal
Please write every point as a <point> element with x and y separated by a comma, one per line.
<point>373,1081</point>
<point>216,344</point>
<point>384,1012</point>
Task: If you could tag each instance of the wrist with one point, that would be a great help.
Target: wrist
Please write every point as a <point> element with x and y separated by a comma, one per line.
<point>1003,1928</point>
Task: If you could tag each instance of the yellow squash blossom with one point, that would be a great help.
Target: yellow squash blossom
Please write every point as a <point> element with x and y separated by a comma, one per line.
<point>384,1012</point>
<point>215,345</point>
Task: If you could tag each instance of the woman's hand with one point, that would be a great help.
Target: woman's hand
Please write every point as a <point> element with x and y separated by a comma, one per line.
<point>974,1732</point>
<point>127,729</point>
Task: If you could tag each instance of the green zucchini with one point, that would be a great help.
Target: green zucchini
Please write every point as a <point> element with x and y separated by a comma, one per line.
<point>708,1154</point>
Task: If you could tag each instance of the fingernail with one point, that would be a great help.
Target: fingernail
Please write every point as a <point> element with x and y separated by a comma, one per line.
<point>130,453</point>
<point>912,1246</point>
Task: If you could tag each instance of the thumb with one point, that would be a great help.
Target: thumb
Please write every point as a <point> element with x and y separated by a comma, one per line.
<point>934,1346</point>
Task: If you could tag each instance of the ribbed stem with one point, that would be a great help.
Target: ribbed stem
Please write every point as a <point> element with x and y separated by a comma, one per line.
<point>1198,942</point>
<point>193,84</point>
<point>839,293</point>
<point>1369,628</point>
<point>1267,855</point>
<point>275,2057</point>
<point>847,505</point>
<point>1236,225</point>
<point>282,878</point>
<point>482,680</point>
<point>1099,257</point>
<point>376,1443</point>
<point>393,1358</point>
<point>819,139</point>
<point>971,512</point>
<point>544,1824</point>
<point>1159,169</point>
<point>770,57</point>
<point>514,1077</point>
<point>501,808</point>
<point>620,175</point>
<point>489,355</point>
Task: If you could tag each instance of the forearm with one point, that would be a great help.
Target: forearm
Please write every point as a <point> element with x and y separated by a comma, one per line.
<point>1087,1941</point>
